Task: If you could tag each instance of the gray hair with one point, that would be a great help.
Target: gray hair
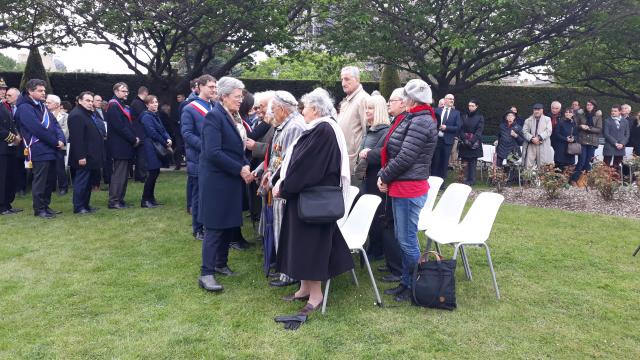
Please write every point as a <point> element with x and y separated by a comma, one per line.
<point>353,70</point>
<point>262,96</point>
<point>556,103</point>
<point>227,84</point>
<point>286,100</point>
<point>54,98</point>
<point>320,100</point>
<point>398,94</point>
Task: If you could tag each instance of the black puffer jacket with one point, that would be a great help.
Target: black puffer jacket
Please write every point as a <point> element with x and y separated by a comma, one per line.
<point>410,148</point>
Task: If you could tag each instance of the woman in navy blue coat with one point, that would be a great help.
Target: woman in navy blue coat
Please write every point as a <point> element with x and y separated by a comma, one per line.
<point>222,168</point>
<point>564,133</point>
<point>155,132</point>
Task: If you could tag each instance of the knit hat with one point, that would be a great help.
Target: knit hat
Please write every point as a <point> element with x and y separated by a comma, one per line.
<point>419,91</point>
<point>3,85</point>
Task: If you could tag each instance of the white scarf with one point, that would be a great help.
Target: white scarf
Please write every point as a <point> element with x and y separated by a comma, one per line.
<point>345,172</point>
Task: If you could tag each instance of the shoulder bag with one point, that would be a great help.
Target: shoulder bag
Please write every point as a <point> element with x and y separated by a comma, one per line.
<point>161,150</point>
<point>574,148</point>
<point>321,204</point>
<point>434,282</point>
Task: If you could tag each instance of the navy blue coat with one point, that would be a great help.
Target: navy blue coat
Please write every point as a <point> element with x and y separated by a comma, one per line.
<point>453,124</point>
<point>120,134</point>
<point>137,109</point>
<point>191,122</point>
<point>154,131</point>
<point>87,141</point>
<point>221,160</point>
<point>564,128</point>
<point>28,118</point>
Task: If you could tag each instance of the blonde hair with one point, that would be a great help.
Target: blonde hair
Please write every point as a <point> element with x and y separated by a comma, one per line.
<point>380,115</point>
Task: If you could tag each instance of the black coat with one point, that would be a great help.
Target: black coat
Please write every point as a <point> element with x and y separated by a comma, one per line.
<point>7,130</point>
<point>137,109</point>
<point>471,123</point>
<point>410,148</point>
<point>506,142</point>
<point>85,139</point>
<point>634,137</point>
<point>221,160</point>
<point>374,141</point>
<point>453,124</point>
<point>311,251</point>
<point>120,134</point>
<point>564,128</point>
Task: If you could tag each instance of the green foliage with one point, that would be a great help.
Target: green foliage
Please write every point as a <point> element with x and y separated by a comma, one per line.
<point>605,179</point>
<point>553,180</point>
<point>34,69</point>
<point>8,64</point>
<point>389,81</point>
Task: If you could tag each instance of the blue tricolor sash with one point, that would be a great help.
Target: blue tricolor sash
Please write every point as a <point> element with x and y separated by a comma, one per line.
<point>125,110</point>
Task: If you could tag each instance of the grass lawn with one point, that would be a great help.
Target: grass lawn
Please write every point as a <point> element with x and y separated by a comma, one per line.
<point>122,284</point>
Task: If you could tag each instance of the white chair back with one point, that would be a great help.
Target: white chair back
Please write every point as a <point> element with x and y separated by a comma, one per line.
<point>487,153</point>
<point>353,193</point>
<point>450,206</point>
<point>598,153</point>
<point>435,183</point>
<point>628,152</point>
<point>356,228</point>
<point>478,221</point>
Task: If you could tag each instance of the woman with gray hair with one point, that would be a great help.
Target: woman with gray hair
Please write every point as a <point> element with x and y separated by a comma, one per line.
<point>313,252</point>
<point>406,161</point>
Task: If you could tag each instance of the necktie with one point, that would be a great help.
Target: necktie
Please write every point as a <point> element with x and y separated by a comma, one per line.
<point>446,115</point>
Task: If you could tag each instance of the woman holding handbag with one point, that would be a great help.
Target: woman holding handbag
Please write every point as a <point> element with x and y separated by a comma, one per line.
<point>589,128</point>
<point>470,148</point>
<point>564,134</point>
<point>157,140</point>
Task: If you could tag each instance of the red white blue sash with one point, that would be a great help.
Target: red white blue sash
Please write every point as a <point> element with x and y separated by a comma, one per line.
<point>125,110</point>
<point>199,108</point>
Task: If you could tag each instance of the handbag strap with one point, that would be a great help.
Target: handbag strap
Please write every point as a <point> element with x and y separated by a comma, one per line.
<point>415,276</point>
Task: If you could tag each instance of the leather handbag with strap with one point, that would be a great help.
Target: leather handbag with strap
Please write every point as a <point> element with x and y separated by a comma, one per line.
<point>434,282</point>
<point>161,150</point>
<point>574,148</point>
<point>321,204</point>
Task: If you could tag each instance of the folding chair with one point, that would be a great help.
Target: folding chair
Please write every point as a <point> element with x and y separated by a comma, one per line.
<point>434,186</point>
<point>353,194</point>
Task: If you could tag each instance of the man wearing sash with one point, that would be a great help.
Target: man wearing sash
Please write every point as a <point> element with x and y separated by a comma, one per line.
<point>9,160</point>
<point>43,138</point>
<point>191,122</point>
<point>121,141</point>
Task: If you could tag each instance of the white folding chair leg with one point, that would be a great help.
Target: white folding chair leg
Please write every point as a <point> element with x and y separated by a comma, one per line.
<point>373,279</point>
<point>493,273</point>
<point>465,263</point>
<point>355,278</point>
<point>326,296</point>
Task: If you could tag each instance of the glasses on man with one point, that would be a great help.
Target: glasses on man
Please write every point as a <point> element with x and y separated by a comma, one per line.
<point>393,100</point>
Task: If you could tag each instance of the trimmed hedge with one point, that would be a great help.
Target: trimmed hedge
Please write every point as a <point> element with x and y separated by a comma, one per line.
<point>494,100</point>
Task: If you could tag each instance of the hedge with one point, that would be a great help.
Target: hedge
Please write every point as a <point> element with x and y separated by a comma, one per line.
<point>494,100</point>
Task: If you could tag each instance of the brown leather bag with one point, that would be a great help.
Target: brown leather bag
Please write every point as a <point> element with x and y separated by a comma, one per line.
<point>582,180</point>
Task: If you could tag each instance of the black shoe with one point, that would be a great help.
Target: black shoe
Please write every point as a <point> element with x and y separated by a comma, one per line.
<point>82,211</point>
<point>52,212</point>
<point>63,192</point>
<point>92,209</point>
<point>275,275</point>
<point>383,268</point>
<point>156,203</point>
<point>7,212</point>
<point>396,290</point>
<point>117,206</point>
<point>280,283</point>
<point>147,204</point>
<point>209,283</point>
<point>391,278</point>
<point>224,271</point>
<point>125,205</point>
<point>199,235</point>
<point>236,245</point>
<point>405,295</point>
<point>15,210</point>
<point>43,214</point>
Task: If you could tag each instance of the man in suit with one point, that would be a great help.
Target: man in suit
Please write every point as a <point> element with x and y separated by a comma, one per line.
<point>121,141</point>
<point>105,166</point>
<point>9,157</point>
<point>44,139</point>
<point>449,123</point>
<point>137,108</point>
<point>86,154</point>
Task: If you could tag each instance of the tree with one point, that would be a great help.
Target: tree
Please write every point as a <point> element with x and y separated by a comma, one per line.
<point>8,64</point>
<point>389,81</point>
<point>610,63</point>
<point>34,69</point>
<point>456,44</point>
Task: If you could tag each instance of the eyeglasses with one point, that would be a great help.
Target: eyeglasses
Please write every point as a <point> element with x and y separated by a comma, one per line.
<point>390,100</point>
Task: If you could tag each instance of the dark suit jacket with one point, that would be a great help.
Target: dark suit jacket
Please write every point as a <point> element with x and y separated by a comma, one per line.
<point>453,124</point>
<point>120,134</point>
<point>85,139</point>
<point>221,159</point>
<point>7,130</point>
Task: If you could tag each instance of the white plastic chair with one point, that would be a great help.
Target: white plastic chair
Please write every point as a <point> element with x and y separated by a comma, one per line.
<point>355,231</point>
<point>598,153</point>
<point>353,193</point>
<point>473,230</point>
<point>434,186</point>
<point>487,158</point>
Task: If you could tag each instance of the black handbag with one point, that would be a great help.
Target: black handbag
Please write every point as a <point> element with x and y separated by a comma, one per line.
<point>161,150</point>
<point>321,204</point>
<point>434,282</point>
<point>574,148</point>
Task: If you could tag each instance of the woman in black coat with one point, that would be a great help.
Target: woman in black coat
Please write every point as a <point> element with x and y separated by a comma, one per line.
<point>470,148</point>
<point>154,132</point>
<point>312,252</point>
<point>564,133</point>
<point>509,138</point>
<point>634,137</point>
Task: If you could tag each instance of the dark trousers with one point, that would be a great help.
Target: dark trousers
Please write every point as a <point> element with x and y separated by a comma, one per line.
<point>382,226</point>
<point>148,193</point>
<point>81,189</point>
<point>191,182</point>
<point>215,250</point>
<point>440,162</point>
<point>95,177</point>
<point>9,166</point>
<point>61,172</point>
<point>44,181</point>
<point>195,202</point>
<point>118,184</point>
<point>107,165</point>
<point>617,160</point>
<point>140,169</point>
<point>584,161</point>
<point>470,170</point>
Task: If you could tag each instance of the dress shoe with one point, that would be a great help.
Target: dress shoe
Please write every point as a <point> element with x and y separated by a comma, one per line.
<point>209,283</point>
<point>309,308</point>
<point>404,295</point>
<point>224,271</point>
<point>292,297</point>
<point>156,203</point>
<point>275,275</point>
<point>199,235</point>
<point>63,192</point>
<point>53,212</point>
<point>147,204</point>
<point>7,212</point>
<point>396,290</point>
<point>43,214</point>
<point>15,210</point>
<point>92,209</point>
<point>383,268</point>
<point>82,211</point>
<point>116,206</point>
<point>236,245</point>
<point>283,283</point>
<point>391,278</point>
<point>125,205</point>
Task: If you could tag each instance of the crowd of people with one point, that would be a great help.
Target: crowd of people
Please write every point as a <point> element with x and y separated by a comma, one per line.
<point>259,152</point>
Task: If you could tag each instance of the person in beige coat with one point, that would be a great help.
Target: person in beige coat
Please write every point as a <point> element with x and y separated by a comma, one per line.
<point>537,133</point>
<point>352,119</point>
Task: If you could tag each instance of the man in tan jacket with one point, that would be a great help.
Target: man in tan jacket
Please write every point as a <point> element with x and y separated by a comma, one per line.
<point>352,119</point>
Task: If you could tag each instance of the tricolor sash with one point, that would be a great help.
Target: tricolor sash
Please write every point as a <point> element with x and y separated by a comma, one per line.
<point>46,122</point>
<point>125,110</point>
<point>199,108</point>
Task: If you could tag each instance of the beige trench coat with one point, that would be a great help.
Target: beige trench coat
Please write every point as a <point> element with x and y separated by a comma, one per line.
<point>353,122</point>
<point>542,154</point>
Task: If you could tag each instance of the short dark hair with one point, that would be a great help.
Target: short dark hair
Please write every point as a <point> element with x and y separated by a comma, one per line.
<point>193,82</point>
<point>474,101</point>
<point>67,105</point>
<point>142,90</point>
<point>616,107</point>
<point>594,103</point>
<point>118,85</point>
<point>204,79</point>
<point>149,99</point>
<point>82,94</point>
<point>32,84</point>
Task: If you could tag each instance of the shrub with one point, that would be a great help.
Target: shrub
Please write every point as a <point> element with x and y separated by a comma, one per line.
<point>34,69</point>
<point>389,81</point>
<point>604,179</point>
<point>553,180</point>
